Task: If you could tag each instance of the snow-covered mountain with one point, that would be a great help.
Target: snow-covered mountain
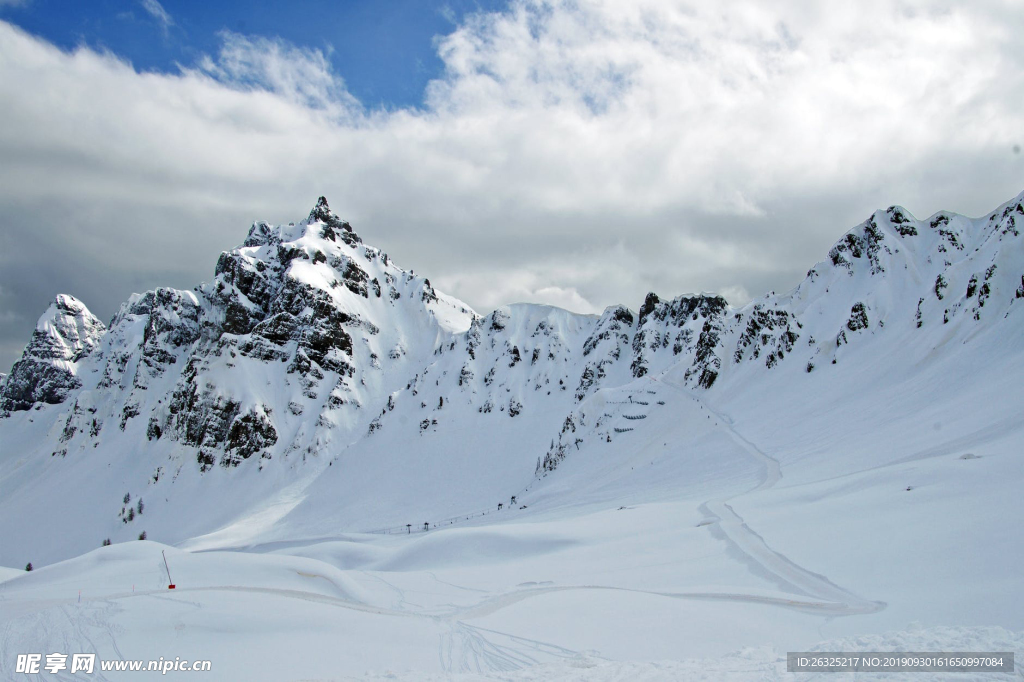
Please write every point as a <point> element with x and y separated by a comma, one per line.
<point>310,347</point>
<point>48,370</point>
<point>301,326</point>
<point>326,449</point>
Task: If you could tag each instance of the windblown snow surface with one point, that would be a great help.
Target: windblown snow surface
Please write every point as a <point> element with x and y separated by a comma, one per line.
<point>698,488</point>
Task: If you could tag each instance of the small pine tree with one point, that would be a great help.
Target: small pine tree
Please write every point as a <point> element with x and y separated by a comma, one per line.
<point>28,566</point>
<point>127,498</point>
<point>142,535</point>
<point>140,505</point>
<point>131,514</point>
<point>107,543</point>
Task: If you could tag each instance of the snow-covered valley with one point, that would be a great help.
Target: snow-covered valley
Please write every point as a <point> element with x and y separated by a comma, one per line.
<point>354,476</point>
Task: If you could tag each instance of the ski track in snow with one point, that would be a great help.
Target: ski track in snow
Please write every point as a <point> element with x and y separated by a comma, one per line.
<point>62,632</point>
<point>462,647</point>
<point>732,528</point>
<point>466,648</point>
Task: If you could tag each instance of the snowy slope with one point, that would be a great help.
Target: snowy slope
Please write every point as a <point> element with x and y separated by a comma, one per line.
<point>690,479</point>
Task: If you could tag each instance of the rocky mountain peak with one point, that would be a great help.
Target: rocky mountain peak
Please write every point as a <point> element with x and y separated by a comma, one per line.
<point>68,304</point>
<point>650,303</point>
<point>321,212</point>
<point>333,226</point>
<point>67,330</point>
<point>65,334</point>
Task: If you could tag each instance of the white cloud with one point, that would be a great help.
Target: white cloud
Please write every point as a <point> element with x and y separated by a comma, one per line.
<point>157,11</point>
<point>569,299</point>
<point>578,152</point>
<point>298,75</point>
<point>519,285</point>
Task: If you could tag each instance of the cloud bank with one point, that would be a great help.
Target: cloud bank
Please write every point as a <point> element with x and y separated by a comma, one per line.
<point>575,153</point>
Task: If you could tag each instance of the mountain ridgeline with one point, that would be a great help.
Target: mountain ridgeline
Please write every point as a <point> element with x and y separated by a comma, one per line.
<point>308,342</point>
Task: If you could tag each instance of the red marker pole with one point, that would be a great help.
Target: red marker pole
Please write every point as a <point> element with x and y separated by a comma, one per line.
<point>170,582</point>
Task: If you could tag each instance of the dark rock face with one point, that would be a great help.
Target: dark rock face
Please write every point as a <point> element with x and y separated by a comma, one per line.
<point>707,363</point>
<point>858,318</point>
<point>605,347</point>
<point>900,222</point>
<point>428,295</point>
<point>251,433</point>
<point>333,227</point>
<point>650,303</point>
<point>261,234</point>
<point>355,279</point>
<point>864,243</point>
<point>269,337</point>
<point>771,332</point>
<point>675,323</point>
<point>199,417</point>
<point>47,372</point>
<point>499,319</point>
<point>616,322</point>
<point>307,316</point>
<point>173,320</point>
<point>37,382</point>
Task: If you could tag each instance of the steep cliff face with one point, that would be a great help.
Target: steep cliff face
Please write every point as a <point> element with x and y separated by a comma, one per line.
<point>48,370</point>
<point>688,326</point>
<point>605,349</point>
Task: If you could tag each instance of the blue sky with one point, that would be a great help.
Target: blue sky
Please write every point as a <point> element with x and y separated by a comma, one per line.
<point>384,51</point>
<point>578,153</point>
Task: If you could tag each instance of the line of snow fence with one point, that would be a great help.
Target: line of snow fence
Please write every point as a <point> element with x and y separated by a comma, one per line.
<point>410,528</point>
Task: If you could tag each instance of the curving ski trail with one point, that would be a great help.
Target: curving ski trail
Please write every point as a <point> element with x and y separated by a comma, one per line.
<point>733,529</point>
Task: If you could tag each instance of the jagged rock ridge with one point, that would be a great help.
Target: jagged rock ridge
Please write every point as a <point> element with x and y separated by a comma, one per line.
<point>308,340</point>
<point>300,327</point>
